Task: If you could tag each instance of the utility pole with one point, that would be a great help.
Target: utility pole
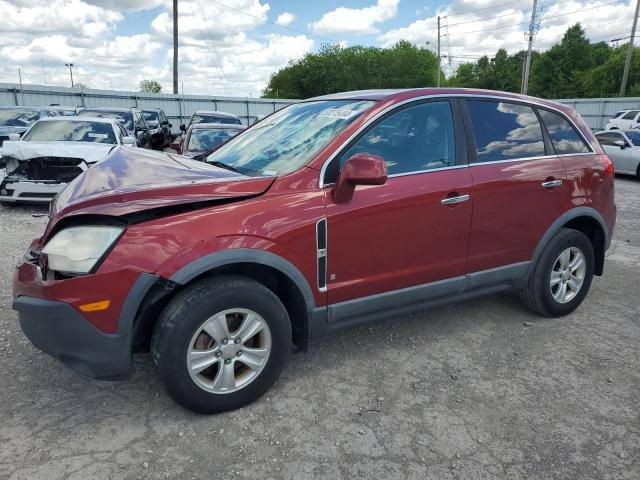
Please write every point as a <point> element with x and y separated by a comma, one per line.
<point>527,64</point>
<point>175,47</point>
<point>438,71</point>
<point>21,89</point>
<point>627,63</point>
<point>70,65</point>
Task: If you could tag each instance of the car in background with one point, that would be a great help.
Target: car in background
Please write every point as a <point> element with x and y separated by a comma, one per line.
<point>131,119</point>
<point>17,119</point>
<point>209,116</point>
<point>53,152</point>
<point>623,148</point>
<point>159,128</point>
<point>624,119</point>
<point>64,110</point>
<point>204,137</point>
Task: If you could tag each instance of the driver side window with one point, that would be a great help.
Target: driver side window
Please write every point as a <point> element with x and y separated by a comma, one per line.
<point>414,139</point>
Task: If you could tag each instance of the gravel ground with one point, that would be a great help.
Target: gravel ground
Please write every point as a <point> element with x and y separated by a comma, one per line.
<point>483,389</point>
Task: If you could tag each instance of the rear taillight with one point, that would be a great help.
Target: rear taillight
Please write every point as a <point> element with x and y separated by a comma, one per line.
<point>607,163</point>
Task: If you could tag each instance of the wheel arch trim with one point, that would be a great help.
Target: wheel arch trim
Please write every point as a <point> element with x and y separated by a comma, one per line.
<point>565,218</point>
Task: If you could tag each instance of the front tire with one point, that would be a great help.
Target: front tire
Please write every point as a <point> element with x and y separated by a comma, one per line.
<point>221,343</point>
<point>562,275</point>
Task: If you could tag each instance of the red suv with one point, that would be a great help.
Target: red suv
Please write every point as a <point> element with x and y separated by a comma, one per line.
<point>328,213</point>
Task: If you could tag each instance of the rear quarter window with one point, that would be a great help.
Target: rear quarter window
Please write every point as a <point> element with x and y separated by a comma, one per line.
<point>564,137</point>
<point>505,131</point>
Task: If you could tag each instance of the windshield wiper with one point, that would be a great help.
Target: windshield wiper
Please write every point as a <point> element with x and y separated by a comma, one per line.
<point>215,163</point>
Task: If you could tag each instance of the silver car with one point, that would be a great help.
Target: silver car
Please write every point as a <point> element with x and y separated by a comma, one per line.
<point>623,148</point>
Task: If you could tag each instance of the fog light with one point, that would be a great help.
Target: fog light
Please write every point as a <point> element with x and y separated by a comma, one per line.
<point>4,192</point>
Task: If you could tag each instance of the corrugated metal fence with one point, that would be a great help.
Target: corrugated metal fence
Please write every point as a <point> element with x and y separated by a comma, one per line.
<point>177,107</point>
<point>596,111</point>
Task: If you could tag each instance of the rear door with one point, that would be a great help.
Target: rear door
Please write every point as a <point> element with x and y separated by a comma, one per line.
<point>401,234</point>
<point>621,157</point>
<point>517,184</point>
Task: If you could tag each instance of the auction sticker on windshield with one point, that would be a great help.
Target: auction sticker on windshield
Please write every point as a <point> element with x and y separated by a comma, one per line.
<point>340,113</point>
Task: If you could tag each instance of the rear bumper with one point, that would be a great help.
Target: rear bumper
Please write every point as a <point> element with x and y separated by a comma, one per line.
<point>32,192</point>
<point>59,329</point>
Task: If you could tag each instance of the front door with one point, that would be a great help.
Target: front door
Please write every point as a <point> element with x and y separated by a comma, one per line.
<point>401,234</point>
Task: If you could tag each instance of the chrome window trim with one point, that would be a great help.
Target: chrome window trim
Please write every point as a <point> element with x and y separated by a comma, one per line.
<point>390,108</point>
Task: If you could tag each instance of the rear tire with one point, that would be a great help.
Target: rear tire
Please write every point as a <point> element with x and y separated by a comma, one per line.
<point>562,275</point>
<point>234,326</point>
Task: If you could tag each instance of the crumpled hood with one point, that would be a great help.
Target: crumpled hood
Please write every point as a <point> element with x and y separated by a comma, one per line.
<point>89,152</point>
<point>131,180</point>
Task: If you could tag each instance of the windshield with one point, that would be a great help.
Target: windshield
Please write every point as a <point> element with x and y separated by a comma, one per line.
<point>16,117</point>
<point>634,137</point>
<point>70,131</point>
<point>204,118</point>
<point>125,118</point>
<point>206,139</point>
<point>151,117</point>
<point>288,139</point>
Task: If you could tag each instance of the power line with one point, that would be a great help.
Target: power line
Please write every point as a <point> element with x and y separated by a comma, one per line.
<point>583,10</point>
<point>273,23</point>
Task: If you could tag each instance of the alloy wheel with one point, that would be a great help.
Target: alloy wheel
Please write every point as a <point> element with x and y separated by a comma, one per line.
<point>229,350</point>
<point>567,275</point>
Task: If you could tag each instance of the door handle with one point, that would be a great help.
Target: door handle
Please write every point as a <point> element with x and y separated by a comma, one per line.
<point>552,183</point>
<point>452,200</point>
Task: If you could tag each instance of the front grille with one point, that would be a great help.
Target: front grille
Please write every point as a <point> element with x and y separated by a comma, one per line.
<point>59,169</point>
<point>37,195</point>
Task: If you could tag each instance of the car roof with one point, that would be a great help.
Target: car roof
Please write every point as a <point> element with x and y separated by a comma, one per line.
<point>213,126</point>
<point>214,112</point>
<point>78,119</point>
<point>409,93</point>
<point>110,109</point>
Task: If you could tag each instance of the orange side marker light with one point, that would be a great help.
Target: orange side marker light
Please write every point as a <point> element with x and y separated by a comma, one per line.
<point>95,306</point>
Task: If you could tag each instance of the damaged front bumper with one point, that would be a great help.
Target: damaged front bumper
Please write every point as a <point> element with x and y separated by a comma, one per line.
<point>28,191</point>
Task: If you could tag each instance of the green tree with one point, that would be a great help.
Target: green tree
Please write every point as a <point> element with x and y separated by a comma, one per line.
<point>334,69</point>
<point>150,86</point>
<point>80,86</point>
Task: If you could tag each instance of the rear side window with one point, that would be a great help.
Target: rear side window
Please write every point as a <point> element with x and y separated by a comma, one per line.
<point>565,138</point>
<point>609,138</point>
<point>505,131</point>
<point>631,115</point>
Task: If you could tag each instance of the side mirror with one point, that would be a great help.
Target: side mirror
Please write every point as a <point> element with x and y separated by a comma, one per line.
<point>360,169</point>
<point>14,137</point>
<point>183,127</point>
<point>620,143</point>
<point>129,141</point>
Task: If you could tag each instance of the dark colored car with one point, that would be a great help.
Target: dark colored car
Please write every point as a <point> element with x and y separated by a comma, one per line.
<point>203,137</point>
<point>339,210</point>
<point>159,128</point>
<point>208,116</point>
<point>18,119</point>
<point>131,119</point>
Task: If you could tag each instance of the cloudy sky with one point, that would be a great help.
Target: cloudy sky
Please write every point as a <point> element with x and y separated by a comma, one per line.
<point>232,46</point>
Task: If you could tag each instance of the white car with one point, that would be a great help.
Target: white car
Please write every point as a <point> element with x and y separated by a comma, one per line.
<point>623,148</point>
<point>52,152</point>
<point>624,120</point>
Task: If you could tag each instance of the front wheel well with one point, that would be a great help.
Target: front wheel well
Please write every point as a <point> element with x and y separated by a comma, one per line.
<point>276,281</point>
<point>594,231</point>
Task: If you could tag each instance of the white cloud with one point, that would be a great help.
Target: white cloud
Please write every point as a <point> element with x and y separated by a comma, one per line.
<point>484,31</point>
<point>285,19</point>
<point>357,21</point>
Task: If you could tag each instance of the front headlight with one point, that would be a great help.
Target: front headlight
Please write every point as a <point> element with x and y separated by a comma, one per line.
<point>78,249</point>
